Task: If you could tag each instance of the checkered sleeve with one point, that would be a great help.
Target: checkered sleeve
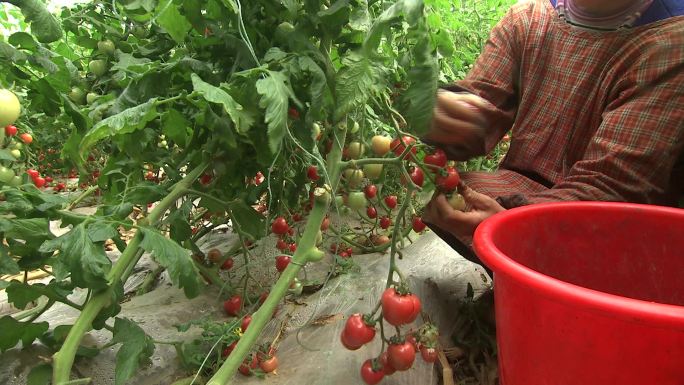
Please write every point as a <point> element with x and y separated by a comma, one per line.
<point>494,76</point>
<point>641,137</point>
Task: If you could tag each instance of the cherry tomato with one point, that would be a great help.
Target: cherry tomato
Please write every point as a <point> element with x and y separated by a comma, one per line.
<point>293,113</point>
<point>399,309</point>
<point>292,247</point>
<point>436,160</point>
<point>391,201</point>
<point>344,255</point>
<point>372,171</point>
<point>371,191</point>
<point>357,331</point>
<point>380,145</point>
<point>457,201</point>
<point>385,222</point>
<point>214,255</point>
<point>10,130</point>
<point>227,264</point>
<point>371,212</point>
<point>346,344</point>
<point>429,354</point>
<point>269,365</point>
<point>205,179</point>
<point>386,365</point>
<point>245,322</point>
<point>281,245</point>
<point>39,182</point>
<point>399,146</point>
<point>401,356</point>
<point>247,365</point>
<point>448,181</point>
<point>417,176</point>
<point>325,224</point>
<point>232,305</point>
<point>228,349</point>
<point>357,200</point>
<point>369,375</point>
<point>296,217</point>
<point>281,262</point>
<point>418,225</point>
<point>312,172</point>
<point>33,173</point>
<point>26,138</point>
<point>280,226</point>
<point>412,340</point>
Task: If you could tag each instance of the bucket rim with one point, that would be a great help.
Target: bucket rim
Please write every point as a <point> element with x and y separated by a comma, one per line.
<point>631,309</point>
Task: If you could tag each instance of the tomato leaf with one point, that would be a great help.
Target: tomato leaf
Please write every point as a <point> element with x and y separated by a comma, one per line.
<point>145,192</point>
<point>355,83</point>
<point>7,264</point>
<point>20,294</point>
<point>125,122</point>
<point>247,219</point>
<point>176,127</point>
<point>101,231</point>
<point>30,230</point>
<point>39,375</point>
<point>174,258</point>
<point>411,9</point>
<point>14,331</point>
<point>275,94</point>
<point>172,21</point>
<point>136,346</point>
<point>43,24</point>
<point>423,78</point>
<point>79,255</point>
<point>217,95</point>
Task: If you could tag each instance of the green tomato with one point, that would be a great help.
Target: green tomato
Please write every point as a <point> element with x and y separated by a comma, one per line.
<point>91,97</point>
<point>316,255</point>
<point>106,47</point>
<point>17,145</point>
<point>139,31</point>
<point>355,150</point>
<point>16,181</point>
<point>15,153</point>
<point>316,130</point>
<point>98,67</point>
<point>6,175</point>
<point>77,95</point>
<point>353,177</point>
<point>372,171</point>
<point>357,200</point>
<point>9,108</point>
<point>355,128</point>
<point>339,201</point>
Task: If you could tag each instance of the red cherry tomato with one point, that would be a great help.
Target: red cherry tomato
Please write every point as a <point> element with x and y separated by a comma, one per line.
<point>401,356</point>
<point>399,146</point>
<point>229,349</point>
<point>448,181</point>
<point>429,354</point>
<point>245,322</point>
<point>399,309</point>
<point>280,226</point>
<point>33,173</point>
<point>247,366</point>
<point>391,201</point>
<point>312,172</point>
<point>292,247</point>
<point>436,160</point>
<point>281,262</point>
<point>325,224</point>
<point>418,225</point>
<point>371,191</point>
<point>10,130</point>
<point>269,365</point>
<point>39,181</point>
<point>227,264</point>
<point>205,179</point>
<point>281,245</point>
<point>357,332</point>
<point>417,176</point>
<point>385,222</point>
<point>293,113</point>
<point>232,305</point>
<point>369,375</point>
<point>371,212</point>
<point>386,365</point>
<point>26,138</point>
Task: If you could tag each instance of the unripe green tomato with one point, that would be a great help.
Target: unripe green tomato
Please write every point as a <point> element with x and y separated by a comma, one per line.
<point>353,177</point>
<point>339,201</point>
<point>17,145</point>
<point>9,108</point>
<point>357,200</point>
<point>91,97</point>
<point>355,150</point>
<point>15,153</point>
<point>139,31</point>
<point>16,181</point>
<point>355,128</point>
<point>77,95</point>
<point>316,130</point>
<point>316,255</point>
<point>6,174</point>
<point>106,47</point>
<point>98,67</point>
<point>372,171</point>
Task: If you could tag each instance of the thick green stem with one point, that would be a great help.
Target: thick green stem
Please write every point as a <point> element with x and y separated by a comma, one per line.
<point>63,360</point>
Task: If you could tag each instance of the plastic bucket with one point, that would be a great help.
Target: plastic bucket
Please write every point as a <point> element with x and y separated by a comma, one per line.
<point>587,293</point>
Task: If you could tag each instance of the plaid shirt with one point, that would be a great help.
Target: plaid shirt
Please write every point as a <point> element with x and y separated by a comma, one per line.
<point>594,115</point>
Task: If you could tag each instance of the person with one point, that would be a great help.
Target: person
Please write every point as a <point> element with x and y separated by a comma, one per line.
<point>592,92</point>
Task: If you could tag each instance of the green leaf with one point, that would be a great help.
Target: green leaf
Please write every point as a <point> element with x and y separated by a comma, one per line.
<point>125,122</point>
<point>23,40</point>
<point>317,86</point>
<point>21,294</point>
<point>176,127</point>
<point>7,264</point>
<point>174,258</point>
<point>30,230</point>
<point>14,331</point>
<point>6,155</point>
<point>355,83</point>
<point>145,192</point>
<point>275,93</point>
<point>412,10</point>
<point>101,231</point>
<point>419,98</point>
<point>40,375</point>
<point>219,96</point>
<point>248,220</point>
<point>136,346</point>
<point>172,21</point>
<point>11,54</point>
<point>179,227</point>
<point>43,24</point>
<point>86,260</point>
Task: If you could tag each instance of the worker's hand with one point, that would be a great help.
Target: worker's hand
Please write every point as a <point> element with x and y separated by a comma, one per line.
<point>459,124</point>
<point>462,224</point>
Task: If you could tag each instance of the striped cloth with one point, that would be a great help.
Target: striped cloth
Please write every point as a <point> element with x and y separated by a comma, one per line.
<point>594,115</point>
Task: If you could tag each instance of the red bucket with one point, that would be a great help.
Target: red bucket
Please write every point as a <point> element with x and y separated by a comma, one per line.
<point>587,293</point>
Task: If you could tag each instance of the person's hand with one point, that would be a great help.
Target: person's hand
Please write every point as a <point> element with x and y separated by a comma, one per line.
<point>459,124</point>
<point>462,224</point>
